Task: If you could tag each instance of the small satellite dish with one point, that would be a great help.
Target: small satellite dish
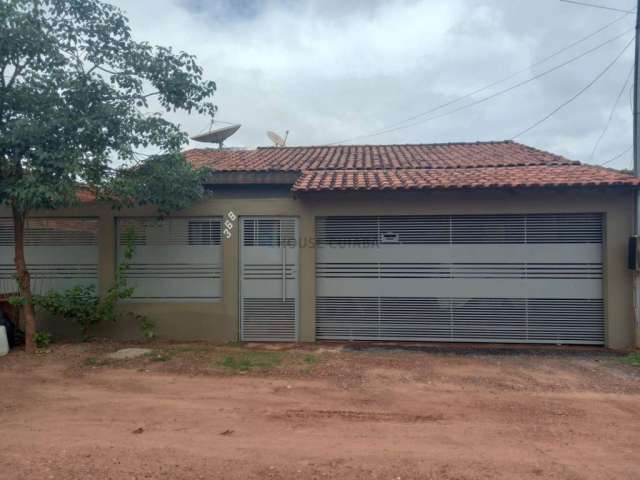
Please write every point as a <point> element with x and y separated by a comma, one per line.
<point>218,135</point>
<point>277,140</point>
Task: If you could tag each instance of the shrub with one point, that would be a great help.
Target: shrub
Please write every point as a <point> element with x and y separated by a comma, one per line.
<point>43,339</point>
<point>79,304</point>
<point>83,305</point>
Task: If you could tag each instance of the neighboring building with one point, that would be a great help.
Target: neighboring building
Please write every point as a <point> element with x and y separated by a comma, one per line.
<point>479,242</point>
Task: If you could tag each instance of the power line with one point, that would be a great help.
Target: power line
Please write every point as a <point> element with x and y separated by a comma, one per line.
<point>487,98</point>
<point>613,159</point>
<point>594,5</point>
<point>612,112</point>
<point>580,92</point>
<point>509,77</point>
<point>488,86</point>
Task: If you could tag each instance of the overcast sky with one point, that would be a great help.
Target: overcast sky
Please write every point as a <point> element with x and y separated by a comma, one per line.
<point>329,70</point>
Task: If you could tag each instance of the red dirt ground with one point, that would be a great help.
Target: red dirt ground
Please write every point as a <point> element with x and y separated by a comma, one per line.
<point>351,415</point>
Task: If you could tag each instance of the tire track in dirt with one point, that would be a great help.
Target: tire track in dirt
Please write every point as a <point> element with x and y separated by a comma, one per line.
<point>358,416</point>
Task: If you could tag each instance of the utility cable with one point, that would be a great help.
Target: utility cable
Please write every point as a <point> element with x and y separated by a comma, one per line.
<point>594,5</point>
<point>492,96</point>
<point>626,150</point>
<point>612,112</point>
<point>510,76</point>
<point>577,94</point>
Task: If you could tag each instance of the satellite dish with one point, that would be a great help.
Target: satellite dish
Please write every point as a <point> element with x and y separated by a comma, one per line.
<point>218,135</point>
<point>277,140</point>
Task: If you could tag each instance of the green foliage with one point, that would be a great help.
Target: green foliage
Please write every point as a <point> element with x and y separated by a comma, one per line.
<point>119,290</point>
<point>16,301</point>
<point>148,327</point>
<point>43,339</point>
<point>79,304</point>
<point>310,359</point>
<point>632,359</point>
<point>78,98</point>
<point>83,305</point>
<point>250,360</point>
<point>167,182</point>
<point>75,93</point>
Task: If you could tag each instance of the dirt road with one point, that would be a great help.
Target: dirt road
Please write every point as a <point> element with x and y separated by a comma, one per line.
<point>350,415</point>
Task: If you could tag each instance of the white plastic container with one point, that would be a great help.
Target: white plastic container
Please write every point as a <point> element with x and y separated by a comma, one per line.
<point>4,341</point>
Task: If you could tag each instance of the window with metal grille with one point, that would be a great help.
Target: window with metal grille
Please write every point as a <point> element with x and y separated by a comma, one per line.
<point>268,232</point>
<point>204,232</point>
<point>174,258</point>
<point>61,253</point>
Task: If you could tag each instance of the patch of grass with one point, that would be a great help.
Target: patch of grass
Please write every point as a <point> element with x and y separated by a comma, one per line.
<point>310,359</point>
<point>94,362</point>
<point>247,361</point>
<point>188,349</point>
<point>632,359</point>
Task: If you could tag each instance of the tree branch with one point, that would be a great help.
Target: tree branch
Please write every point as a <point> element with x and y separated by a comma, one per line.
<point>2,73</point>
<point>16,73</point>
<point>112,72</point>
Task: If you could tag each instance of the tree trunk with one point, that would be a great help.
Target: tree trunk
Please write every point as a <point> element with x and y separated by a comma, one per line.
<point>24,281</point>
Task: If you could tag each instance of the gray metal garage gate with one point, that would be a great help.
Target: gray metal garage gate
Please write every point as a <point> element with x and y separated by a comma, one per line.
<point>533,278</point>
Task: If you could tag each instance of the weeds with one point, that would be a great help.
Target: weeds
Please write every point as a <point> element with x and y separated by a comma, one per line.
<point>189,349</point>
<point>247,361</point>
<point>43,339</point>
<point>95,362</point>
<point>632,359</point>
<point>310,359</point>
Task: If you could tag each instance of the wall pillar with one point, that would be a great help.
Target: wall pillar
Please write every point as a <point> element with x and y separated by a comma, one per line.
<point>107,250</point>
<point>307,276</point>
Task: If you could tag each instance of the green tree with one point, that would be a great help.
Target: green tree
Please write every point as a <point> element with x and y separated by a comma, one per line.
<point>75,95</point>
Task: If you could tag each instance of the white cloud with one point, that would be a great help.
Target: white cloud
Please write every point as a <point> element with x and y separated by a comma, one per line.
<point>328,70</point>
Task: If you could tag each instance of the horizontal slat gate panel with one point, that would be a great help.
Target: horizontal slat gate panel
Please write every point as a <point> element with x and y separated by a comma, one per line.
<point>455,319</point>
<point>459,270</point>
<point>269,319</point>
<point>174,258</point>
<point>513,278</point>
<point>461,229</point>
<point>61,253</point>
<point>269,279</point>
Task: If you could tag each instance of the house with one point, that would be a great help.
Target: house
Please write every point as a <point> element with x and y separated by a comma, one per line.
<point>470,242</point>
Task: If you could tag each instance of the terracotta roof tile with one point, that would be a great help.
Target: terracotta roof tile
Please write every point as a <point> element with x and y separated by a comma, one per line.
<point>483,177</point>
<point>393,167</point>
<point>85,196</point>
<point>374,157</point>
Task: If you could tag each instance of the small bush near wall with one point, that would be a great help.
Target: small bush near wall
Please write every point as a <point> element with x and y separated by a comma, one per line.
<point>43,339</point>
<point>83,305</point>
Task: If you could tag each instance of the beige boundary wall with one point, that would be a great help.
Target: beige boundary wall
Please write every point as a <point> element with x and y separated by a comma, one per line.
<point>219,320</point>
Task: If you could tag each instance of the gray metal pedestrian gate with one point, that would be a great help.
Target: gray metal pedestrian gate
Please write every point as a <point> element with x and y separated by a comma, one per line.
<point>533,278</point>
<point>269,278</point>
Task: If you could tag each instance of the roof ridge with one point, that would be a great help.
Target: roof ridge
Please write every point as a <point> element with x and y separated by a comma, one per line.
<point>451,155</point>
<point>377,145</point>
<point>544,152</point>
<point>465,167</point>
